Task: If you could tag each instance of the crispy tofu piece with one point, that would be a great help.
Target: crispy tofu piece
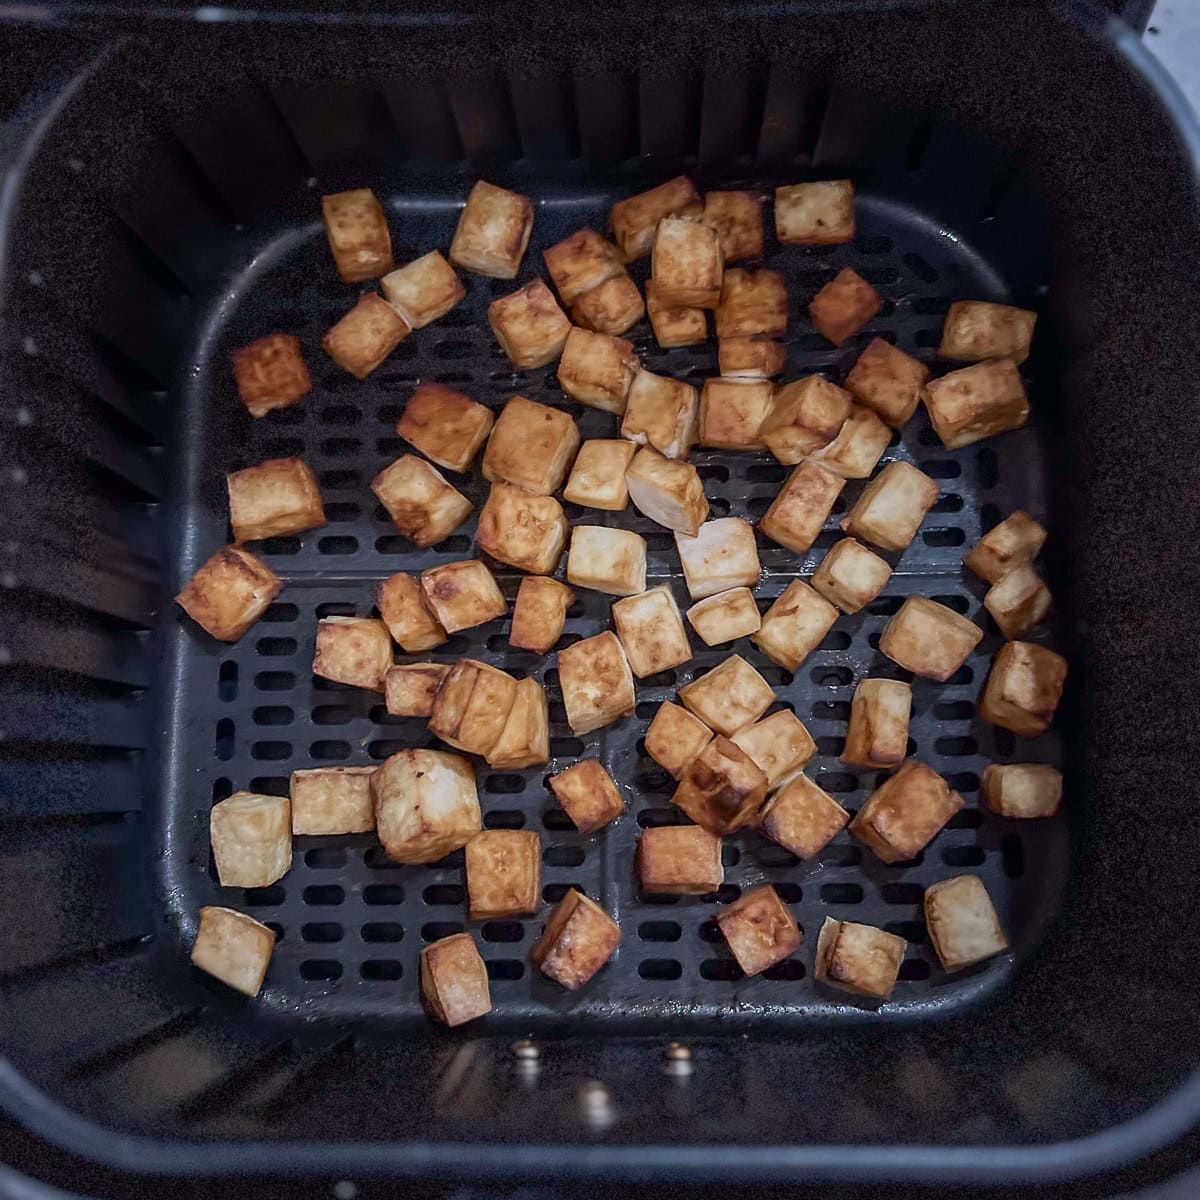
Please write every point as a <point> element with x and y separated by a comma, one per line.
<point>426,805</point>
<point>471,707</point>
<point>1018,602</point>
<point>651,631</point>
<point>843,306</point>
<point>929,639</point>
<point>1022,790</point>
<point>582,262</point>
<point>1024,688</point>
<point>332,800</point>
<point>962,922</point>
<point>799,512</point>
<point>975,329</point>
<point>365,336</point>
<point>753,303</point>
<point>858,958</point>
<point>234,948</point>
<point>270,373</point>
<point>529,326</point>
<point>492,232</point>
<point>446,426</point>
<point>527,532</point>
<point>820,213</point>
<point>422,504</point>
<point>597,479</point>
<point>890,509</point>
<point>722,788</point>
<point>667,491</point>
<point>686,264</point>
<point>525,739</point>
<point>607,560</point>
<point>675,737</point>
<point>358,235</point>
<point>1017,539</point>
<point>353,650</point>
<point>731,412</point>
<point>877,736</point>
<point>737,218</point>
<point>462,594</point>
<point>887,381</point>
<point>905,813</point>
<point>722,555</point>
<point>402,606</point>
<point>795,625</point>
<point>634,222</point>
<point>229,593</point>
<point>580,938</point>
<point>454,980</point>
<point>597,684</point>
<point>858,446</point>
<point>803,818</point>
<point>504,874</point>
<point>409,688</point>
<point>725,617</point>
<point>779,744</point>
<point>277,497</point>
<point>729,697</point>
<point>597,370</point>
<point>851,576</point>
<point>804,417</point>
<point>976,402</point>
<point>423,290</point>
<point>613,308</point>
<point>251,839</point>
<point>674,324</point>
<point>531,446</point>
<point>662,413</point>
<point>750,357</point>
<point>759,929</point>
<point>539,613</point>
<point>587,795</point>
<point>679,860</point>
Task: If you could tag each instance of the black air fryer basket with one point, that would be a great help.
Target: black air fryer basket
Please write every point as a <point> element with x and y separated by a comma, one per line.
<point>161,208</point>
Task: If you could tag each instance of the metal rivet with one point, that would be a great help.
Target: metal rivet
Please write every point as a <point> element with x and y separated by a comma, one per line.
<point>596,1104</point>
<point>677,1059</point>
<point>526,1050</point>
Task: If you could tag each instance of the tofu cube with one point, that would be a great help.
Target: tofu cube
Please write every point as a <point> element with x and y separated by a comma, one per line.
<point>976,402</point>
<point>752,303</point>
<point>803,818</point>
<point>1017,539</point>
<point>722,555</point>
<point>597,370</point>
<point>579,939</point>
<point>587,795</point>
<point>679,860</point>
<point>504,874</point>
<point>892,506</point>
<point>332,800</point>
<point>804,417</point>
<point>492,232</point>
<point>674,324</point>
<point>843,306</point>
<point>729,697</point>
<point>732,411</point>
<point>851,576</point>
<point>975,329</point>
<point>634,222</point>
<point>887,381</point>
<point>877,736</point>
<point>580,263</point>
<point>409,689</point>
<point>612,308</point>
<point>426,805</point>
<point>531,447</point>
<point>858,958</point>
<point>651,631</point>
<point>525,739</point>
<point>1024,688</point>
<point>365,336</point>
<point>423,290</point>
<point>270,373</point>
<point>597,684</point>
<point>402,607</point>
<point>686,264</point>
<point>795,625</point>
<point>446,426</point>
<point>779,744</point>
<point>798,514</point>
<point>524,531</point>
<point>662,413</point>
<point>667,491</point>
<point>962,922</point>
<point>422,505</point>
<point>607,560</point>
<point>725,617</point>
<point>251,839</point>
<point>277,497</point>
<point>737,218</point>
<point>722,788</point>
<point>539,613</point>
<point>529,326</point>
<point>1022,790</point>
<point>859,445</point>
<point>462,594</point>
<point>597,479</point>
<point>358,235</point>
<point>905,813</point>
<point>820,213</point>
<point>929,639</point>
<point>454,980</point>
<point>234,948</point>
<point>471,707</point>
<point>750,357</point>
<point>1018,602</point>
<point>759,929</point>
<point>675,737</point>
<point>229,593</point>
<point>353,650</point>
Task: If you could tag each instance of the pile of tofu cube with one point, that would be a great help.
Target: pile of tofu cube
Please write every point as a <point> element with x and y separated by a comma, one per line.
<point>734,766</point>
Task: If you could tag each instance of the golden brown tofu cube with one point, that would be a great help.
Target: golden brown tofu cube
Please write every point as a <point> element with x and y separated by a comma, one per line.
<point>975,329</point>
<point>462,594</point>
<point>582,262</point>
<point>409,688</point>
<point>820,213</point>
<point>492,232</point>
<point>504,874</point>
<point>759,929</point>
<point>750,357</point>
<point>674,324</point>
<point>892,506</point>
<point>444,425</point>
<point>929,639</point>
<point>426,805</point>
<point>358,235</point>
<point>597,684</point>
<point>752,303</point>
<point>729,697</point>
<point>1022,790</point>
<point>667,491</point>
<point>804,416</point>
<point>798,514</point>
<point>365,336</point>
<point>738,219</point>
<point>251,839</point>
<point>634,222</point>
<point>725,617</point>
<point>539,614</point>
<point>675,737</point>
<point>877,736</point>
<point>795,625</point>
<point>353,650</point>
<point>962,922</point>
<point>651,631</point>
<point>779,744</point>
<point>1024,688</point>
<point>597,479</point>
<point>1018,602</point>
<point>270,373</point>
<point>722,555</point>
<point>803,818</point>
<point>402,606</point>
<point>686,264</point>
<point>423,290</point>
<point>527,532</point>
<point>613,308</point>
<point>277,497</point>
<point>1017,539</point>
<point>587,795</point>
<point>851,576</point>
<point>607,560</point>
<point>529,326</point>
<point>679,860</point>
<point>843,306</point>
<point>662,413</point>
<point>731,412</point>
<point>525,739</point>
<point>597,370</point>
<point>858,447</point>
<point>454,980</point>
<point>531,446</point>
<point>976,402</point>
<point>229,593</point>
<point>234,948</point>
<point>905,813</point>
<point>858,958</point>
<point>422,505</point>
<point>722,788</point>
<point>580,938</point>
<point>887,381</point>
<point>471,707</point>
<point>332,800</point>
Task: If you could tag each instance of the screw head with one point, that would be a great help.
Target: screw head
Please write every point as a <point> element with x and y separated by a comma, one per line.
<point>526,1050</point>
<point>596,1104</point>
<point>677,1059</point>
<point>677,1052</point>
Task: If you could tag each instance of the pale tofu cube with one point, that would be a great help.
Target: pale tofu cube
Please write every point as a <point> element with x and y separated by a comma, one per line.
<point>651,631</point>
<point>529,326</point>
<point>446,426</point>
<point>729,697</point>
<point>1024,688</point>
<point>612,308</point>
<point>423,290</point>
<point>851,576</point>
<point>580,263</point>
<point>1016,540</point>
<point>820,213</point>
<point>803,818</point>
<point>737,218</point>
<point>890,509</point>
<point>732,411</point>
<point>858,447</point>
<point>675,737</point>
<point>358,235</point>
<point>674,324</point>
<point>597,479</point>
<point>976,402</point>
<point>462,594</point>
<point>662,413</point>
<point>804,417</point>
<point>525,739</point>
<point>843,306</point>
<point>525,531</point>
<point>725,617</point>
<point>587,795</point>
<point>365,336</point>
<point>504,874</point>
<point>1018,601</point>
<point>332,800</point>
<point>1022,790</point>
<point>722,788</point>
<point>229,593</point>
<point>753,303</point>
<point>962,922</point>
<point>634,221</point>
<point>402,607</point>
<point>975,329</point>
<point>929,639</point>
<point>607,560</point>
<point>270,373</point>
<point>799,512</point>
<point>234,948</point>
<point>679,860</point>
<point>409,689</point>
<point>471,707</point>
<point>531,446</point>
<point>667,491</point>
<point>275,498</point>
<point>686,264</point>
<point>877,736</point>
<point>750,357</point>
<point>597,370</point>
<point>779,744</point>
<point>426,805</point>
<point>539,613</point>
<point>597,684</point>
<point>905,813</point>
<point>887,381</point>
<point>858,958</point>
<point>759,929</point>
<point>492,232</point>
<point>251,839</point>
<point>454,980</point>
<point>722,555</point>
<point>579,939</point>
<point>422,504</point>
<point>353,650</point>
<point>795,625</point>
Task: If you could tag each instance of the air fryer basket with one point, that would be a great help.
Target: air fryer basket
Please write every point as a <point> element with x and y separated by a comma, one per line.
<point>163,209</point>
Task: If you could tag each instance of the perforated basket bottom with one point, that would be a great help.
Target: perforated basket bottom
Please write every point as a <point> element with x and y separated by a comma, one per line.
<point>351,924</point>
